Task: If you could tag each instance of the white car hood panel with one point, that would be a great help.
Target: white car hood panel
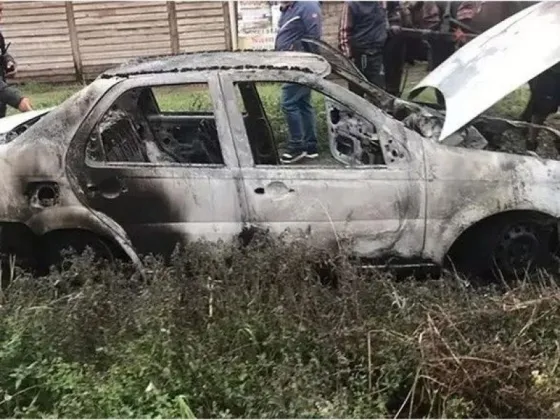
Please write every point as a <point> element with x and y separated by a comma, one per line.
<point>496,63</point>
<point>9,123</point>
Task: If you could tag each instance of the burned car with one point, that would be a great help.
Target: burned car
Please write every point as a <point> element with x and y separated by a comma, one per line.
<point>111,170</point>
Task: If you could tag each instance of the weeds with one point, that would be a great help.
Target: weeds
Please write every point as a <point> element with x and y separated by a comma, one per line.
<point>253,332</point>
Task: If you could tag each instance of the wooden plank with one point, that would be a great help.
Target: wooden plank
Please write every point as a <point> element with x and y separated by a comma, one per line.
<point>197,5</point>
<point>40,52</point>
<point>227,29</point>
<point>52,60</point>
<point>123,27</point>
<point>111,11</point>
<point>123,41</point>
<point>41,67</point>
<point>32,13</point>
<point>162,45</point>
<point>60,72</point>
<point>94,69</point>
<point>101,56</point>
<point>208,47</point>
<point>84,6</point>
<point>201,13</point>
<point>36,19</point>
<point>210,41</point>
<point>46,7</point>
<point>74,41</point>
<point>100,37</point>
<point>173,29</point>
<point>54,47</point>
<point>205,35</point>
<point>46,79</point>
<point>33,75</point>
<point>24,31</point>
<point>40,38</point>
<point>55,25</point>
<point>130,19</point>
<point>33,5</point>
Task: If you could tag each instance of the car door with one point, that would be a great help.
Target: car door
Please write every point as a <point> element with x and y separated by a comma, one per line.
<point>138,165</point>
<point>374,196</point>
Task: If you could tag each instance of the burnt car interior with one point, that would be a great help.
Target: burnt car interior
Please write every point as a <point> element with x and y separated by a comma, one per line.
<point>353,140</point>
<point>135,130</point>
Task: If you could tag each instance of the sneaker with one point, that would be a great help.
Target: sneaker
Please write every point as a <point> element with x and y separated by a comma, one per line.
<point>292,157</point>
<point>312,153</point>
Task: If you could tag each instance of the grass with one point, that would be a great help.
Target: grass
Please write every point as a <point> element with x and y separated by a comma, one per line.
<point>250,333</point>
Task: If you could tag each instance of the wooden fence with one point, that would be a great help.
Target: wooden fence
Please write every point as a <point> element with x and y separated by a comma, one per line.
<point>68,41</point>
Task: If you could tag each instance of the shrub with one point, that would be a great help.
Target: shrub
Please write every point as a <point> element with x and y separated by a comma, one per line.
<point>253,332</point>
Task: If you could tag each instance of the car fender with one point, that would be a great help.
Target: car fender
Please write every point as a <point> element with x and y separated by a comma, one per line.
<point>443,235</point>
<point>78,217</point>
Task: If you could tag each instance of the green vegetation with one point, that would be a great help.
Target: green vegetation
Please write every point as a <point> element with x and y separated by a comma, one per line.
<point>224,332</point>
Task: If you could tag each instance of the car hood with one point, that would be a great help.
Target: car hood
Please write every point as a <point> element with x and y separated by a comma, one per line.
<point>9,123</point>
<point>495,63</point>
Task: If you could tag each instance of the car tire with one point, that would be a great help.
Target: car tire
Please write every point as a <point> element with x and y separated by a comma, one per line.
<point>506,248</point>
<point>53,246</point>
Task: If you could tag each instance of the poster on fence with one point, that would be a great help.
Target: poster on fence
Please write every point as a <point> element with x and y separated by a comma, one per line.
<point>257,22</point>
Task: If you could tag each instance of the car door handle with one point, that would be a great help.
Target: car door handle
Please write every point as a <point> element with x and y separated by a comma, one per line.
<point>274,188</point>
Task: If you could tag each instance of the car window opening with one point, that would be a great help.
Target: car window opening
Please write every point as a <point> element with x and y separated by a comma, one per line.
<point>344,138</point>
<point>136,130</point>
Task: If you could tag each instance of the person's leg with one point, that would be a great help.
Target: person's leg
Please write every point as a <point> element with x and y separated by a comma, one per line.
<point>545,102</point>
<point>290,107</point>
<point>357,61</point>
<point>308,123</point>
<point>393,63</point>
<point>371,67</point>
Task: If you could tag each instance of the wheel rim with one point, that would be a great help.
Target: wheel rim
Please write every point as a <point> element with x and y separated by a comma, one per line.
<point>518,248</point>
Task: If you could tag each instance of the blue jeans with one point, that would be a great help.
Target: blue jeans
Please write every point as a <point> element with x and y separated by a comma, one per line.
<point>300,116</point>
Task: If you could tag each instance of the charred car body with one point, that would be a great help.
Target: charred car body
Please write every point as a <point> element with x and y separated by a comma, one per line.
<point>108,169</point>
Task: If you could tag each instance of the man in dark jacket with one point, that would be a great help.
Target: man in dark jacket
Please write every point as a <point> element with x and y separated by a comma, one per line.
<point>361,36</point>
<point>8,94</point>
<point>299,19</point>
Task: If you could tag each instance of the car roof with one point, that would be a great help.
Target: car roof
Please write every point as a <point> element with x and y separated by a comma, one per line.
<point>223,60</point>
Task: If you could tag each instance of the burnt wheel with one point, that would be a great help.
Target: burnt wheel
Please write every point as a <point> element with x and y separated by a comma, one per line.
<point>506,247</point>
<point>55,246</point>
<point>520,247</point>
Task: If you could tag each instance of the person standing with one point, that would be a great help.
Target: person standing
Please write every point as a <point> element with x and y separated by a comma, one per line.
<point>8,94</point>
<point>298,20</point>
<point>362,34</point>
